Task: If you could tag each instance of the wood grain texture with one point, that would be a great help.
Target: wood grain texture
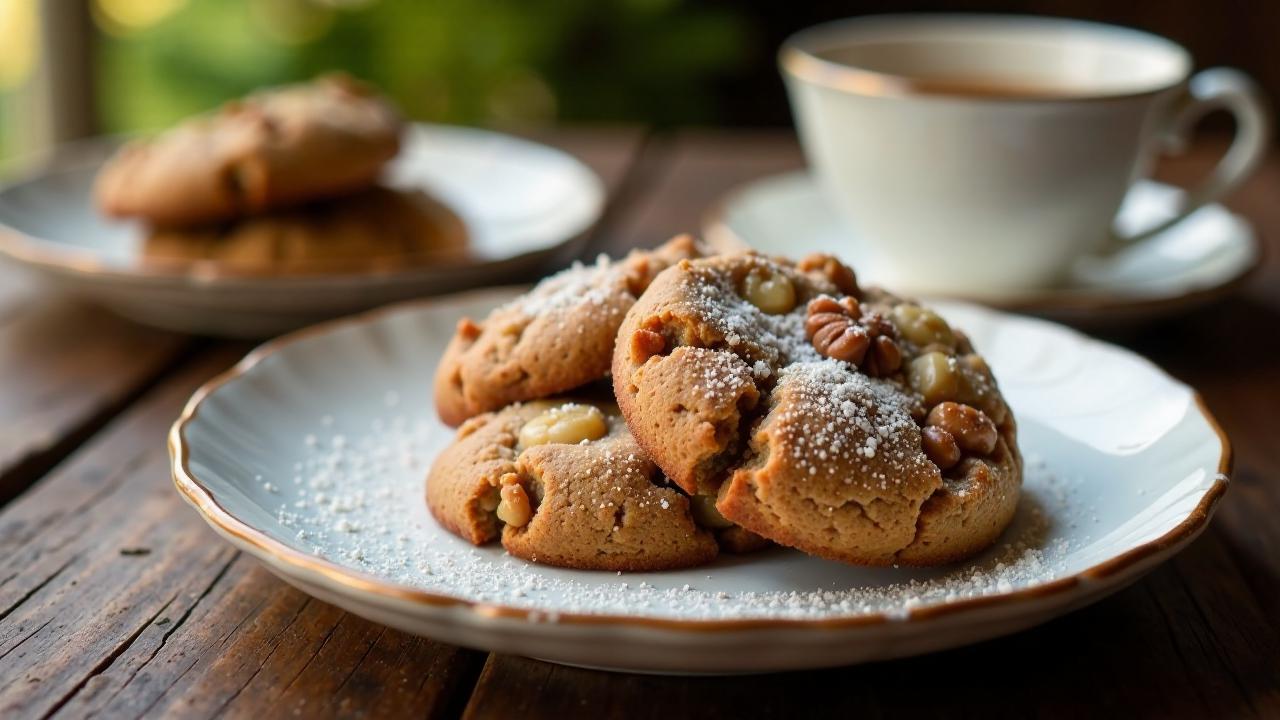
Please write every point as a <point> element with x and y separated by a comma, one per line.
<point>192,628</point>
<point>1196,638</point>
<point>681,176</point>
<point>117,601</point>
<point>608,150</point>
<point>66,369</point>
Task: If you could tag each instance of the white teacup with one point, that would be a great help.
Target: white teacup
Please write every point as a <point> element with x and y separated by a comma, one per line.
<point>985,155</point>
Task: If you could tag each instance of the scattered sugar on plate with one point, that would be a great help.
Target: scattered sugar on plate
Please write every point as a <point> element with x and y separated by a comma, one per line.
<point>362,507</point>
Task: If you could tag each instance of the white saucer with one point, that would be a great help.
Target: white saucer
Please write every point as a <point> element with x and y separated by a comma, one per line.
<point>311,455</point>
<point>522,203</point>
<point>1196,261</point>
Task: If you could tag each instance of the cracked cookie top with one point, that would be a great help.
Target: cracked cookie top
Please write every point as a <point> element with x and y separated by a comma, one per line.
<point>554,338</point>
<point>809,408</point>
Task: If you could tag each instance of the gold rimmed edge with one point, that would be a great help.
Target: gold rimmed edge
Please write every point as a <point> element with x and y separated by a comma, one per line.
<point>806,65</point>
<point>226,523</point>
<point>716,230</point>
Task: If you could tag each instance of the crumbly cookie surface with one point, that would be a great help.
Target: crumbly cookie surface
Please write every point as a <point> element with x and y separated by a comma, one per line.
<point>555,338</point>
<point>375,229</point>
<point>272,149</point>
<point>816,424</point>
<point>595,504</point>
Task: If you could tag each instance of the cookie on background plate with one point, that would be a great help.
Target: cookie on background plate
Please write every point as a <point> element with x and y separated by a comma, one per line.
<point>847,423</point>
<point>563,483</point>
<point>272,149</point>
<point>371,230</point>
<point>554,338</point>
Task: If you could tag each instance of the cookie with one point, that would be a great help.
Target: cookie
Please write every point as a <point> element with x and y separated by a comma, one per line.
<point>557,337</point>
<point>843,422</point>
<point>563,483</point>
<point>276,148</point>
<point>379,229</point>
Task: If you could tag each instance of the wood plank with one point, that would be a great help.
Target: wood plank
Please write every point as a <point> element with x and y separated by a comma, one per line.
<point>682,176</point>
<point>1141,654</point>
<point>65,368</point>
<point>115,598</point>
<point>1195,638</point>
<point>195,629</point>
<point>1231,353</point>
<point>609,150</point>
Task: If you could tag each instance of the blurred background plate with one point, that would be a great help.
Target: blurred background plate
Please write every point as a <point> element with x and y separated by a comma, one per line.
<point>524,204</point>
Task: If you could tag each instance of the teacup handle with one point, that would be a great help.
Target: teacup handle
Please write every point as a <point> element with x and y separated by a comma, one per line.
<point>1209,90</point>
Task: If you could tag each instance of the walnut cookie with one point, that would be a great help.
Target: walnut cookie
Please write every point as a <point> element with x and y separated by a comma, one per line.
<point>563,483</point>
<point>843,422</point>
<point>555,338</point>
<point>272,149</point>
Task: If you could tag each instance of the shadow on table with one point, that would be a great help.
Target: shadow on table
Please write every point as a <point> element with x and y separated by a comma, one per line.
<point>1129,656</point>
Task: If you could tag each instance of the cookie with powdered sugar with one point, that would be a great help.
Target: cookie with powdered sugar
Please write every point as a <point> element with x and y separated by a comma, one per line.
<point>555,338</point>
<point>275,148</point>
<point>844,422</point>
<point>563,483</point>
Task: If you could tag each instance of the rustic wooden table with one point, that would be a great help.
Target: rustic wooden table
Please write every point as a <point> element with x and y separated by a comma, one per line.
<point>115,599</point>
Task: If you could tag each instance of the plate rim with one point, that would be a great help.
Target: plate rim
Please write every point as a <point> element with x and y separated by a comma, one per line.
<point>716,228</point>
<point>281,555</point>
<point>46,255</point>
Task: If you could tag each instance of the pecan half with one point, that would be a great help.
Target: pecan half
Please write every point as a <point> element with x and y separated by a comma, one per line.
<point>843,330</point>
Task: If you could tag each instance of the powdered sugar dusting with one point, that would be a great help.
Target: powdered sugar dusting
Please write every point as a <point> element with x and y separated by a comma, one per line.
<point>579,284</point>
<point>838,415</point>
<point>360,504</point>
<point>765,341</point>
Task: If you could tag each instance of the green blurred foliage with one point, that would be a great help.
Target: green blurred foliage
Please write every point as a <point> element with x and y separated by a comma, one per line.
<point>489,62</point>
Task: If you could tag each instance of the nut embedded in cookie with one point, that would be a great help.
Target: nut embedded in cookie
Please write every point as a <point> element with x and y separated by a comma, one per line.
<point>836,452</point>
<point>555,338</point>
<point>842,330</point>
<point>556,490</point>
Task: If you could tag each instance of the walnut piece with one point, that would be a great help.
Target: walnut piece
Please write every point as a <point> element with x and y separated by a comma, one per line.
<point>972,429</point>
<point>940,446</point>
<point>843,330</point>
<point>838,273</point>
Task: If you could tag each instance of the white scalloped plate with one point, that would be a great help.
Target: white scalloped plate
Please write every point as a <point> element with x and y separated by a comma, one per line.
<point>523,203</point>
<point>311,453</point>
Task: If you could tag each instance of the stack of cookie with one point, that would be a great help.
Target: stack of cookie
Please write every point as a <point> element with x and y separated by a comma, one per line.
<point>282,181</point>
<point>752,399</point>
